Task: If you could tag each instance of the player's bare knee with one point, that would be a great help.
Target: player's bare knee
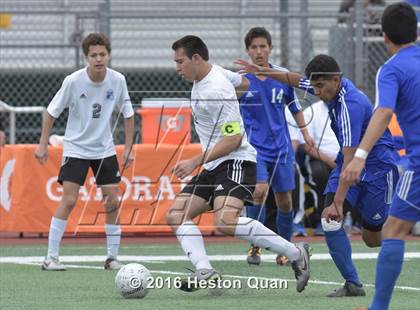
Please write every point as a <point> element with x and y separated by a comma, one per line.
<point>372,239</point>
<point>226,225</point>
<point>175,217</point>
<point>68,203</point>
<point>111,203</point>
<point>283,201</point>
<point>228,230</point>
<point>371,243</point>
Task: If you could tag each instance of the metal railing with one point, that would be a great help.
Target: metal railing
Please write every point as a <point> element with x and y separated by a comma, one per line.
<point>4,107</point>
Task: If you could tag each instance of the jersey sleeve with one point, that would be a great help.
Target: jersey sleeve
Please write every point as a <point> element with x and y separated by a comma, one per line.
<point>293,101</point>
<point>124,103</point>
<point>234,77</point>
<point>350,122</point>
<point>305,84</point>
<point>61,99</point>
<point>226,115</point>
<point>386,88</point>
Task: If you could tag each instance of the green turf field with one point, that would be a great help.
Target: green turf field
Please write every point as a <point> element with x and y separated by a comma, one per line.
<point>87,286</point>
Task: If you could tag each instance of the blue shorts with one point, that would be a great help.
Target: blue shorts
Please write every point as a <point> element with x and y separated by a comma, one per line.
<point>371,198</point>
<point>406,202</point>
<point>281,177</point>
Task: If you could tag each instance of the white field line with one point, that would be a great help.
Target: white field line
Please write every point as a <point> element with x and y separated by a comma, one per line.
<point>36,260</point>
<point>167,258</point>
<point>403,288</point>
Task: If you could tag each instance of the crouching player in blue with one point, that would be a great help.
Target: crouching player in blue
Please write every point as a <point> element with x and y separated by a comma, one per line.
<point>350,111</point>
<point>398,89</point>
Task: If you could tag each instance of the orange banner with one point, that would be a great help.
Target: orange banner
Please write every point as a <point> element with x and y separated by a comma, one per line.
<point>30,192</point>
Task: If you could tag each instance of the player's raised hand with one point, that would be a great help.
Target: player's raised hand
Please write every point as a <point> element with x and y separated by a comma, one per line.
<point>185,167</point>
<point>247,67</point>
<point>41,153</point>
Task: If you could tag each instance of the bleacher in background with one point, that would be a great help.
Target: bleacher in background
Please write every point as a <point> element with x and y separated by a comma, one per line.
<point>145,42</point>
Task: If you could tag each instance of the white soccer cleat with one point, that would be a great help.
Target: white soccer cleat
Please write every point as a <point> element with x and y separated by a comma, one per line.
<point>112,264</point>
<point>53,264</point>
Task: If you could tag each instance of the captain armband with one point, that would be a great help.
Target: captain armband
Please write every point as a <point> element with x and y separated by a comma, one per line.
<point>231,129</point>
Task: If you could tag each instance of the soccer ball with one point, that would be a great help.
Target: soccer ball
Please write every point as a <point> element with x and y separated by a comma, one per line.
<point>131,281</point>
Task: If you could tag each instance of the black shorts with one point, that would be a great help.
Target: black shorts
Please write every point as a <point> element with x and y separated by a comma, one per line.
<point>106,170</point>
<point>233,178</point>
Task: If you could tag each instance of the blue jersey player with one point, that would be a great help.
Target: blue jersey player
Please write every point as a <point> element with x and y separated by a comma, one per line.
<point>350,111</point>
<point>262,108</point>
<point>398,90</point>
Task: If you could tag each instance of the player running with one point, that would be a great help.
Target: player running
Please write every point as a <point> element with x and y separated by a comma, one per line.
<point>350,111</point>
<point>229,171</point>
<point>397,89</point>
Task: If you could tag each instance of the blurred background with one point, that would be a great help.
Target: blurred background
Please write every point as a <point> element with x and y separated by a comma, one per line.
<point>40,44</point>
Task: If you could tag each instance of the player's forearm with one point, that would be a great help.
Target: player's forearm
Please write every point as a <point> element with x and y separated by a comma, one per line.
<point>47,123</point>
<point>343,187</point>
<point>129,131</point>
<point>224,147</point>
<point>300,121</point>
<point>330,162</point>
<point>289,78</point>
<point>378,124</point>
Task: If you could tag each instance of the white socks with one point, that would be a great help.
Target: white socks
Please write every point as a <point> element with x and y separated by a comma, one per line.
<point>113,240</point>
<point>257,234</point>
<point>57,228</point>
<point>192,243</point>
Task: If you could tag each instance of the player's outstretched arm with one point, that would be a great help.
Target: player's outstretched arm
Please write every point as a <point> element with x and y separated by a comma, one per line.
<point>300,121</point>
<point>378,124</point>
<point>128,156</point>
<point>289,78</point>
<point>41,152</point>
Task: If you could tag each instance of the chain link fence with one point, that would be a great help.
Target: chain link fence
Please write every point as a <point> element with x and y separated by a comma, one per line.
<point>40,44</point>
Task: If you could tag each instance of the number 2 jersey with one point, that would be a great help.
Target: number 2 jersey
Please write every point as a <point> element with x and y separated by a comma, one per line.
<point>88,132</point>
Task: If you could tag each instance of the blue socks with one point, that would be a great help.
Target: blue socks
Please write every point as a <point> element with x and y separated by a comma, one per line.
<point>284,222</point>
<point>388,268</point>
<point>340,250</point>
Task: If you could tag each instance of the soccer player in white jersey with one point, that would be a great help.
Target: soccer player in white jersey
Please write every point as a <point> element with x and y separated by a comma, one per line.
<point>229,173</point>
<point>91,94</point>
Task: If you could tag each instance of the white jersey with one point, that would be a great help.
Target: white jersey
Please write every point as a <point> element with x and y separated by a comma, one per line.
<point>88,132</point>
<point>316,118</point>
<point>214,104</point>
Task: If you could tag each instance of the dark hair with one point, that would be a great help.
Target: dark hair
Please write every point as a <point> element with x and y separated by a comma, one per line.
<point>322,66</point>
<point>399,22</point>
<point>257,32</point>
<point>192,45</point>
<point>95,39</point>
